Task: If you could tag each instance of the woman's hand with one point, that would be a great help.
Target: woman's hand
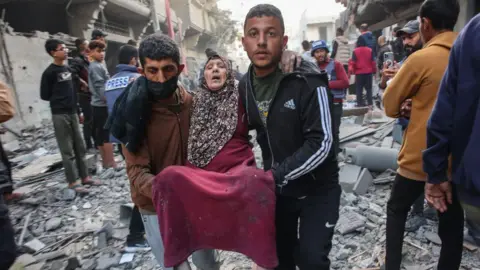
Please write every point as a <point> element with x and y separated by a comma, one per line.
<point>290,60</point>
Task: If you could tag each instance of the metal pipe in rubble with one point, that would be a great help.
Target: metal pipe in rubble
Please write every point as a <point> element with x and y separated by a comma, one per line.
<point>171,33</point>
<point>377,159</point>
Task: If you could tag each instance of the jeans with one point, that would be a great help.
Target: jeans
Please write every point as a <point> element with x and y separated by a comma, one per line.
<point>71,145</point>
<point>84,102</point>
<point>136,228</point>
<point>8,251</point>
<point>309,245</point>
<point>337,120</point>
<point>364,81</point>
<point>450,229</point>
<point>205,259</point>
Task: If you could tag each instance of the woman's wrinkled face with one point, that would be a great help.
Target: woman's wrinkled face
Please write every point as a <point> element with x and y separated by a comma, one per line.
<point>215,74</point>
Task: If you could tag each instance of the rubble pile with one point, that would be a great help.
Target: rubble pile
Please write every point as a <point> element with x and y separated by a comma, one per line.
<point>359,240</point>
<point>58,229</point>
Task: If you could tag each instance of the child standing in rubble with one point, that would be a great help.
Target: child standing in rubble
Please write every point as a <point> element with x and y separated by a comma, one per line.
<point>57,88</point>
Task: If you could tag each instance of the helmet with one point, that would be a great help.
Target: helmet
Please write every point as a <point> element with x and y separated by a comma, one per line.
<point>319,44</point>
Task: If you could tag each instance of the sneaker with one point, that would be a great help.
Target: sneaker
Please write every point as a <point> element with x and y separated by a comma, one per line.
<point>137,246</point>
<point>414,222</point>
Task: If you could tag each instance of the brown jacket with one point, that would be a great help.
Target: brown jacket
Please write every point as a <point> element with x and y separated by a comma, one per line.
<point>6,103</point>
<point>165,145</point>
<point>419,79</point>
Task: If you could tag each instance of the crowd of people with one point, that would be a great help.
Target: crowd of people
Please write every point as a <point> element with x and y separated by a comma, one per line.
<point>193,176</point>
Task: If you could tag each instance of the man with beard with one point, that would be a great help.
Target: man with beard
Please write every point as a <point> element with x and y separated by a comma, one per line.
<point>412,42</point>
<point>151,118</point>
<point>291,114</point>
<point>419,79</point>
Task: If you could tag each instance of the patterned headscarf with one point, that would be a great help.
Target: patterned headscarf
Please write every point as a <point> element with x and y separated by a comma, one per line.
<point>214,118</point>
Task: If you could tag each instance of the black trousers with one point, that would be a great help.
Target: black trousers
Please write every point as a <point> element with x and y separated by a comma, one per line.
<point>8,252</point>
<point>306,246</point>
<point>136,228</point>
<point>450,228</point>
<point>84,102</point>
<point>364,81</point>
<point>337,120</point>
<point>100,116</point>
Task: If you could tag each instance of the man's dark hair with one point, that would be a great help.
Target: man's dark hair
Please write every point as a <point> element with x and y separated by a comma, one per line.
<point>266,10</point>
<point>306,45</point>
<point>79,42</point>
<point>126,53</point>
<point>340,31</point>
<point>52,44</point>
<point>442,13</point>
<point>132,42</point>
<point>396,29</point>
<point>157,47</point>
<point>210,52</point>
<point>94,44</point>
<point>363,27</point>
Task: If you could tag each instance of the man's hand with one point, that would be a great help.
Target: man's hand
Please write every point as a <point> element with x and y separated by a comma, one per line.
<point>406,108</point>
<point>389,72</point>
<point>83,85</point>
<point>290,61</point>
<point>81,119</point>
<point>104,99</point>
<point>438,195</point>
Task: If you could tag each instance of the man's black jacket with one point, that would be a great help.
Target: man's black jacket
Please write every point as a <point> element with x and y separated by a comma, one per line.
<point>298,141</point>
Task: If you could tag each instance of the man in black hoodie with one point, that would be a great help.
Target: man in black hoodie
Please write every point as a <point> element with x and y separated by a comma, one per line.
<point>291,114</point>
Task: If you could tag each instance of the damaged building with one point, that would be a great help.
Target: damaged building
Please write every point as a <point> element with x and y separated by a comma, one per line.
<point>27,24</point>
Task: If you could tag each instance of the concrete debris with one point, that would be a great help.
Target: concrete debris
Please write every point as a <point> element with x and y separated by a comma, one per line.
<point>433,237</point>
<point>53,224</point>
<point>75,223</point>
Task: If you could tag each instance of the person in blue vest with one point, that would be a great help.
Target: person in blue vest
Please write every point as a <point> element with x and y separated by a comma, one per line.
<point>126,72</point>
<point>338,82</point>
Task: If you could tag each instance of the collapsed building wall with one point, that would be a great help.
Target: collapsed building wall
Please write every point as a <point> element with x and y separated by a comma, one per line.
<point>27,60</point>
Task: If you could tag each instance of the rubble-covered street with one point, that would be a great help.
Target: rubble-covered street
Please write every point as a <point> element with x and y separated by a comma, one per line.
<point>59,230</point>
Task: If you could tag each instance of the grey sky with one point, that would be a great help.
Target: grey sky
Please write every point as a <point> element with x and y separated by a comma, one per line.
<point>291,9</point>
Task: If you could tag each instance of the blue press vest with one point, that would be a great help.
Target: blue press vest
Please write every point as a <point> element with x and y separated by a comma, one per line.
<point>332,75</point>
<point>114,87</point>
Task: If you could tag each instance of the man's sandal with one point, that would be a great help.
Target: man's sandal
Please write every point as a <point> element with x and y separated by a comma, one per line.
<point>78,188</point>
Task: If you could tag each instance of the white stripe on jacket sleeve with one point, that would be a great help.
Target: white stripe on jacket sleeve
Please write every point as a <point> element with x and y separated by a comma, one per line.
<point>322,153</point>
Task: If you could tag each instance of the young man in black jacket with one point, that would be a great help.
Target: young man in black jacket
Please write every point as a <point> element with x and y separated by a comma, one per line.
<point>291,114</point>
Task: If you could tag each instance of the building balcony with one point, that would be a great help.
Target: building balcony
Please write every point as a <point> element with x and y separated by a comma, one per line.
<point>378,13</point>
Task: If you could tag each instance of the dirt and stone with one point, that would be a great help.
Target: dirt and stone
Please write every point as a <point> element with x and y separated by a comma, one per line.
<point>67,231</point>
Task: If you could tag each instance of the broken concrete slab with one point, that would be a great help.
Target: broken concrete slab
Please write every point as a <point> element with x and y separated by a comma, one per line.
<point>387,142</point>
<point>12,146</point>
<point>33,201</point>
<point>397,133</point>
<point>363,182</point>
<point>350,222</point>
<point>348,176</point>
<point>355,111</point>
<point>433,237</point>
<point>53,224</point>
<point>106,262</point>
<point>41,165</point>
<point>25,260</point>
<point>34,244</point>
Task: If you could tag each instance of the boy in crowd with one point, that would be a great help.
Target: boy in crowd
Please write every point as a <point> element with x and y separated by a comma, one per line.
<point>97,78</point>
<point>57,88</point>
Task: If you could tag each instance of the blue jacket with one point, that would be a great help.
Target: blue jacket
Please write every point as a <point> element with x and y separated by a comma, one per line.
<point>454,126</point>
<point>125,74</point>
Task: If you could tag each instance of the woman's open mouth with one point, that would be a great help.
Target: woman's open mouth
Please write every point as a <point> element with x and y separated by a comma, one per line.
<point>216,79</point>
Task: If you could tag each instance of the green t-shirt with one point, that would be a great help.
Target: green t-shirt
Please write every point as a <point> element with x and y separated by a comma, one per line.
<point>265,89</point>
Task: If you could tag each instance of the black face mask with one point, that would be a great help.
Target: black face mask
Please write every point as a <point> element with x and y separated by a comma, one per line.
<point>163,90</point>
